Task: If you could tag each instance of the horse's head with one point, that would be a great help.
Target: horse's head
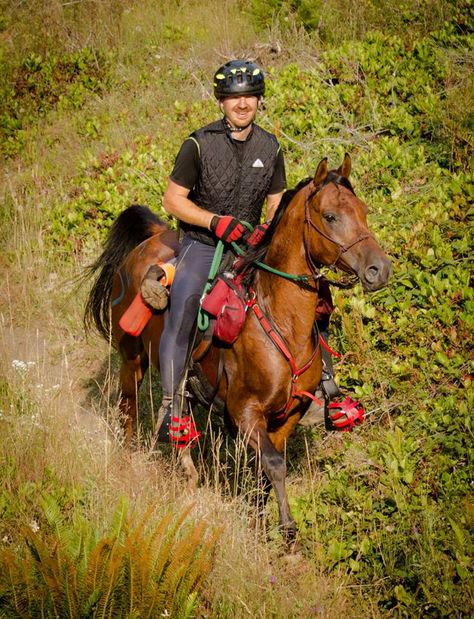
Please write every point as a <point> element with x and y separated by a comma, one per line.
<point>336,228</point>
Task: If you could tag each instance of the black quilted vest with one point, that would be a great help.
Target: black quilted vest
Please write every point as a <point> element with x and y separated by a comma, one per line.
<point>234,179</point>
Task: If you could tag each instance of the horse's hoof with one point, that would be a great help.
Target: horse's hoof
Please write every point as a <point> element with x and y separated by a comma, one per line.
<point>154,293</point>
<point>190,471</point>
<point>289,532</point>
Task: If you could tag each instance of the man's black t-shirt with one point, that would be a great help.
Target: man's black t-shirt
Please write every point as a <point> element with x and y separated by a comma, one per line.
<point>186,168</point>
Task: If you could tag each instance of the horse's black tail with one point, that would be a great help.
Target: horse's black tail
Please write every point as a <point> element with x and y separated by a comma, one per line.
<point>133,226</point>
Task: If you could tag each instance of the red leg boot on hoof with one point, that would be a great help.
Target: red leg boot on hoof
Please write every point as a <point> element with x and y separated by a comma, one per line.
<point>344,415</point>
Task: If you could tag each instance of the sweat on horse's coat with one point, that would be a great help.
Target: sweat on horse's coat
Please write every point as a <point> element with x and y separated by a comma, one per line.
<point>321,222</point>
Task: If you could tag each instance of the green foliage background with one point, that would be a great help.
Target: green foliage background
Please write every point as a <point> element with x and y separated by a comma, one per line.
<point>98,108</point>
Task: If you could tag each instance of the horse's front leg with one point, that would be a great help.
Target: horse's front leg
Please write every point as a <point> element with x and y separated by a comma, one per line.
<point>253,429</point>
<point>189,468</point>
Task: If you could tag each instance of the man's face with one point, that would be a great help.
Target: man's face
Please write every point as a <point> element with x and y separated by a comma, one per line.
<point>240,110</point>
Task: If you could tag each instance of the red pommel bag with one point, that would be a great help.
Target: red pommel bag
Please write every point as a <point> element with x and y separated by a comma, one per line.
<point>226,301</point>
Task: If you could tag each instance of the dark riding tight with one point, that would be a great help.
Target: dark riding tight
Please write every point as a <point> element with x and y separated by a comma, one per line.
<point>194,263</point>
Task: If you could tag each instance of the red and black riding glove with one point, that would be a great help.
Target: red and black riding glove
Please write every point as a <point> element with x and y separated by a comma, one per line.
<point>227,228</point>
<point>257,234</point>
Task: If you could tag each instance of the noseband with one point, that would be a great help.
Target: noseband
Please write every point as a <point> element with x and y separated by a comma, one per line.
<point>343,248</point>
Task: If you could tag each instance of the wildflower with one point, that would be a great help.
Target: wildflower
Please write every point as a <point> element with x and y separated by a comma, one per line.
<point>19,366</point>
<point>34,526</point>
<point>22,366</point>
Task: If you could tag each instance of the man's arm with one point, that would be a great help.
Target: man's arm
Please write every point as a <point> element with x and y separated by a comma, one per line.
<point>177,203</point>
<point>273,200</point>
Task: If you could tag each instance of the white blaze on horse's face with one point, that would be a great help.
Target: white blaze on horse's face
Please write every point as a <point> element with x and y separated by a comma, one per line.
<point>240,111</point>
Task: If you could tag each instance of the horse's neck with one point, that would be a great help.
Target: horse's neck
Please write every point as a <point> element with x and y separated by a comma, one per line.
<point>291,306</point>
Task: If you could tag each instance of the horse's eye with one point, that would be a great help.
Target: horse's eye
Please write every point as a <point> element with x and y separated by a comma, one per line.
<point>329,217</point>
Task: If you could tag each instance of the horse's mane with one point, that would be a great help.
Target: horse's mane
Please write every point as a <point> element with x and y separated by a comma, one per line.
<point>246,263</point>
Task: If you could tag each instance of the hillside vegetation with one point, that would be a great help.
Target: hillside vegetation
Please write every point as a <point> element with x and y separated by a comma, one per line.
<point>96,98</point>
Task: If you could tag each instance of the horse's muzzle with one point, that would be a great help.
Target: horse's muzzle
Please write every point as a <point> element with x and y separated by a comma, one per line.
<point>376,275</point>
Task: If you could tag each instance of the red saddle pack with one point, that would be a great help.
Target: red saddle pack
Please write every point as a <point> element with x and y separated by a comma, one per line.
<point>227,302</point>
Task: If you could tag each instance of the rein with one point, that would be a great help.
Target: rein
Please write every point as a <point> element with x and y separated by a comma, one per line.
<point>291,276</point>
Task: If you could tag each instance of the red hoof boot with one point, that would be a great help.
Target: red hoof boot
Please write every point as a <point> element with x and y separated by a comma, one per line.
<point>345,415</point>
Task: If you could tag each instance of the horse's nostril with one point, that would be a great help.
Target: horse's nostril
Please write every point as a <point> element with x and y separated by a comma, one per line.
<point>371,273</point>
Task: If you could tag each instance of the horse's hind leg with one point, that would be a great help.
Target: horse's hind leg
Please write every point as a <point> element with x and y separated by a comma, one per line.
<point>134,366</point>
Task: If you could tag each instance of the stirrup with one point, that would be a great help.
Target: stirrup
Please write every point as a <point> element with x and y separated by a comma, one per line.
<point>329,386</point>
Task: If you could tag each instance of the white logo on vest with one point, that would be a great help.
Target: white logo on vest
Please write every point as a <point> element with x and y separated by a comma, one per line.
<point>257,164</point>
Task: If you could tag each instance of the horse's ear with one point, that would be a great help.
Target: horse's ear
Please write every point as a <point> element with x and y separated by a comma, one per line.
<point>321,172</point>
<point>345,168</point>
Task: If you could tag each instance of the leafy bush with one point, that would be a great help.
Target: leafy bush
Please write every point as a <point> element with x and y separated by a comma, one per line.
<point>41,84</point>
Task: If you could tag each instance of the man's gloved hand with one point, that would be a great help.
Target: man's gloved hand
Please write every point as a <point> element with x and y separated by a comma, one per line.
<point>227,228</point>
<point>257,234</point>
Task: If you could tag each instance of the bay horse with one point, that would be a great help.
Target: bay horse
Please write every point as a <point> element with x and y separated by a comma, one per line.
<point>265,389</point>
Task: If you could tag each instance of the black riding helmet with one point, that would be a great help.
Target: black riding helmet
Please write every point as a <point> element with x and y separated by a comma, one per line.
<point>239,77</point>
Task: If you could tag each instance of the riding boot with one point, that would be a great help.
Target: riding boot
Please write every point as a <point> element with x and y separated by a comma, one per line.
<point>328,384</point>
<point>165,413</point>
<point>153,291</point>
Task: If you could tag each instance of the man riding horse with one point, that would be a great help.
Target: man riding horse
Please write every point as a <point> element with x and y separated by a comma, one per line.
<point>223,174</point>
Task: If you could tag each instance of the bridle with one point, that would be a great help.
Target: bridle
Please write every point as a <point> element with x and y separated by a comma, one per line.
<point>342,247</point>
